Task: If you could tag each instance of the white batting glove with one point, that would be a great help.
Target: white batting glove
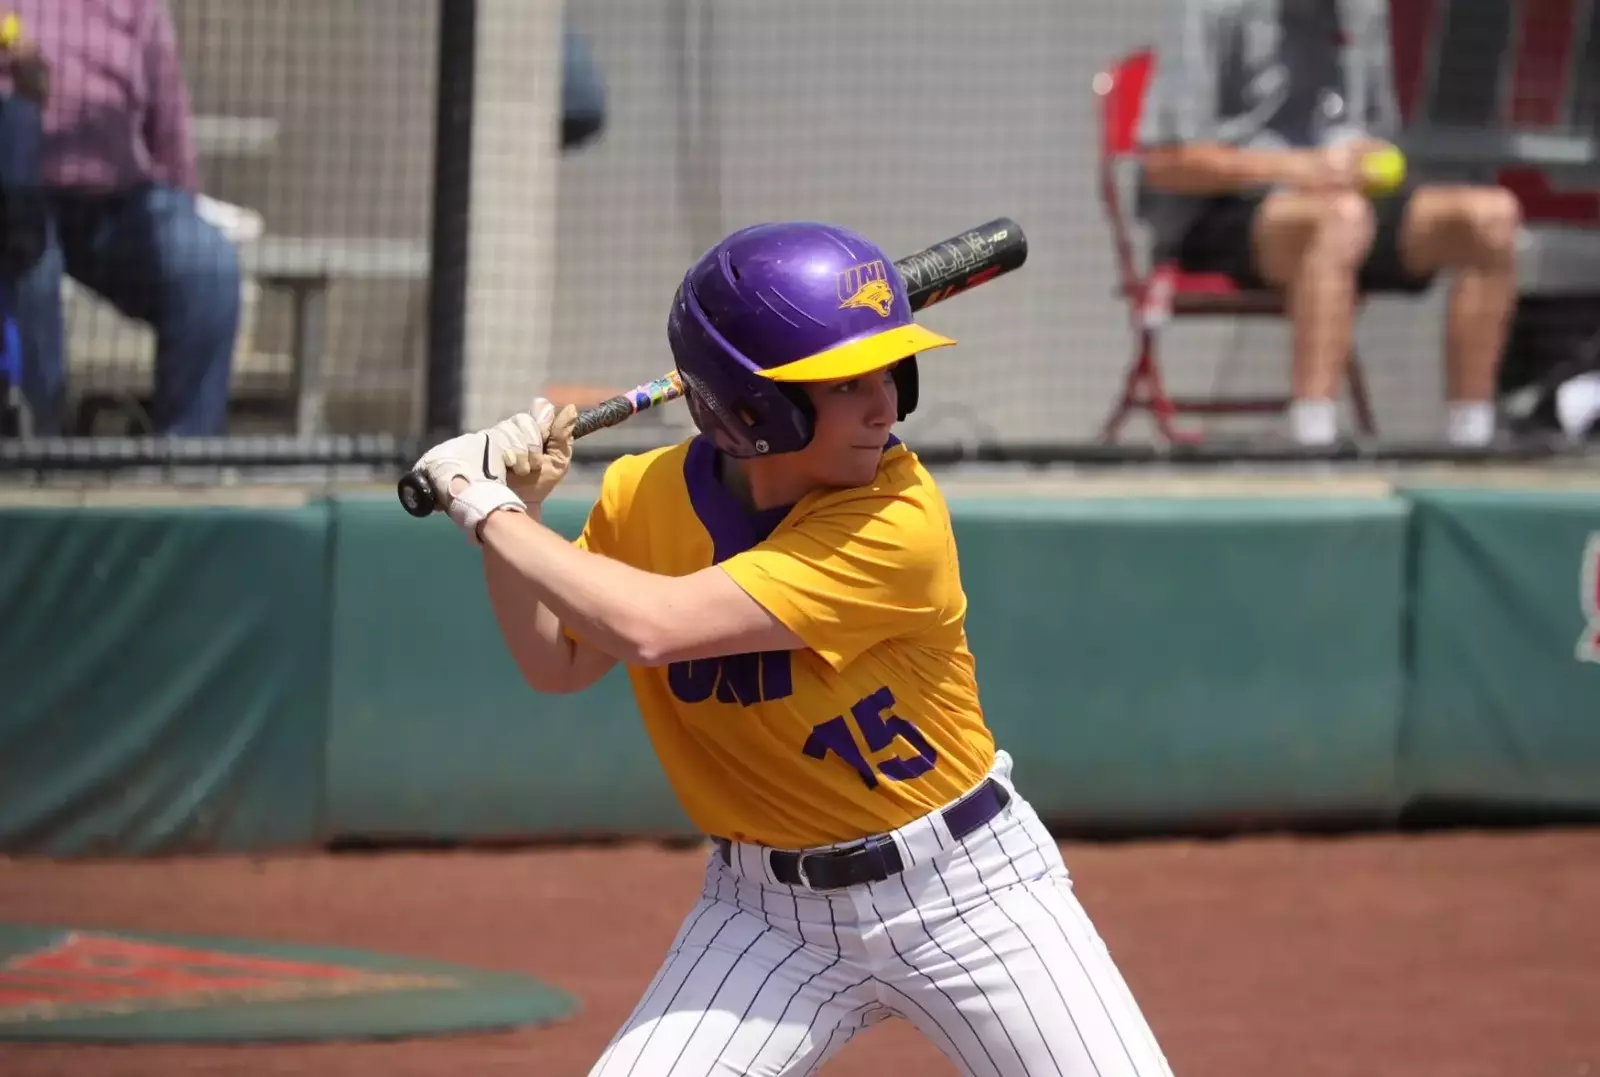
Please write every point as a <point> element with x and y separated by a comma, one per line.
<point>479,460</point>
<point>538,448</point>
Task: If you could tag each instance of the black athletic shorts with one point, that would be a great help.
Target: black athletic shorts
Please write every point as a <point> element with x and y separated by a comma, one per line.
<point>1219,242</point>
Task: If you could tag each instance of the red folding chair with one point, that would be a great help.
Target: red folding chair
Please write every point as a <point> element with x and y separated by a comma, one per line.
<point>1165,292</point>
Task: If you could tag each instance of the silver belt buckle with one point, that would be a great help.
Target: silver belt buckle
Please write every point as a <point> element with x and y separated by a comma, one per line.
<point>800,870</point>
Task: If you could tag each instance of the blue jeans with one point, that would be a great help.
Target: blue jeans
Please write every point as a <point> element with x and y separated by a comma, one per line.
<point>149,254</point>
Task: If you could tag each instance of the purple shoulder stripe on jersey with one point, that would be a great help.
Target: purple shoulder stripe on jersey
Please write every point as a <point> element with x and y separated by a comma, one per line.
<point>732,527</point>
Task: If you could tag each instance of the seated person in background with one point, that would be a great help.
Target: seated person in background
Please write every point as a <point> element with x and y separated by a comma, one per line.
<point>579,395</point>
<point>119,175</point>
<point>1252,140</point>
<point>22,218</point>
<point>22,215</point>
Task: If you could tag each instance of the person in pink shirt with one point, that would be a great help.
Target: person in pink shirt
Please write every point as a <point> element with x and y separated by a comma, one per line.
<point>119,177</point>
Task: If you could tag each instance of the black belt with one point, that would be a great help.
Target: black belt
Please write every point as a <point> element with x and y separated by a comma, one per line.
<point>878,857</point>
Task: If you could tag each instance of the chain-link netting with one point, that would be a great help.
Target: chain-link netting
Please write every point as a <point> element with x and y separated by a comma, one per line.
<point>395,275</point>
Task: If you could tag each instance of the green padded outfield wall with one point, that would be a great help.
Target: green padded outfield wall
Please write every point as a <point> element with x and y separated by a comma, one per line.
<point>1505,701</point>
<point>163,677</point>
<point>1148,662</point>
<point>1178,662</point>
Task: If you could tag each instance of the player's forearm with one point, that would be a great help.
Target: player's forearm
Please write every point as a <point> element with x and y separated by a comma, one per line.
<point>1207,168</point>
<point>548,660</point>
<point>621,610</point>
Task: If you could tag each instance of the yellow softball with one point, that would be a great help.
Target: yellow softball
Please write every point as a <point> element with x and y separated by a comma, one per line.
<point>1384,170</point>
<point>10,30</point>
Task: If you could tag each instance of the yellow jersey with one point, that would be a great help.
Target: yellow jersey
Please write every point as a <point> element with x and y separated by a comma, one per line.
<point>877,721</point>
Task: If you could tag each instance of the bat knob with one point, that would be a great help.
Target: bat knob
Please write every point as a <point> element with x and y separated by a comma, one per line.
<point>416,494</point>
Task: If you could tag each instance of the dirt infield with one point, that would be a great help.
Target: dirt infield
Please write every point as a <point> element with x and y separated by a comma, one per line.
<point>1466,954</point>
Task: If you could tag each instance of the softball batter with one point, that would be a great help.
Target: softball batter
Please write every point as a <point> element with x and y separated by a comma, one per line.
<point>784,592</point>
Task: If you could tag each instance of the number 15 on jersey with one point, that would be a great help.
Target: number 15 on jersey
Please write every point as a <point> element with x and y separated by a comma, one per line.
<point>879,730</point>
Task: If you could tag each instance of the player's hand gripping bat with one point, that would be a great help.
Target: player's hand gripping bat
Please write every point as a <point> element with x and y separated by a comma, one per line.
<point>932,275</point>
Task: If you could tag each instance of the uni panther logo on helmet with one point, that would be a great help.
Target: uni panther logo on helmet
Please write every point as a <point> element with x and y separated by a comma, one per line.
<point>866,286</point>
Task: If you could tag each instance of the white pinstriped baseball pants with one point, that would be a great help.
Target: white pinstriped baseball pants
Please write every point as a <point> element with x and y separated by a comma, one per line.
<point>980,944</point>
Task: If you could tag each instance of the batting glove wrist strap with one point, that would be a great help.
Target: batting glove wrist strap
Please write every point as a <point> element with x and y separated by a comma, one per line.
<point>472,506</point>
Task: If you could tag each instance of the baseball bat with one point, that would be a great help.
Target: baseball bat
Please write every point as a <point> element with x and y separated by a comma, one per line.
<point>931,275</point>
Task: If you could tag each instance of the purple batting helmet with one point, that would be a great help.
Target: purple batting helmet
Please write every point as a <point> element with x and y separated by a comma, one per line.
<point>776,304</point>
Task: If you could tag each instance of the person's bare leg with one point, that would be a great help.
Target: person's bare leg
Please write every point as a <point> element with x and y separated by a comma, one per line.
<point>1312,247</point>
<point>1472,230</point>
<point>582,396</point>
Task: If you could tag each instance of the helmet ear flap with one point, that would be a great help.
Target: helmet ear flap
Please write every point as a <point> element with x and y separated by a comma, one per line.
<point>906,385</point>
<point>797,395</point>
<point>742,422</point>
